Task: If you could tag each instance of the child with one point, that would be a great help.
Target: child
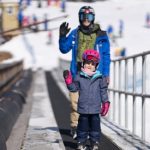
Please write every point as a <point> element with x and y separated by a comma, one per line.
<point>92,89</point>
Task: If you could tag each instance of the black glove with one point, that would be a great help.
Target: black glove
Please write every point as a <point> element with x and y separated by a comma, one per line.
<point>63,30</point>
<point>107,79</point>
<point>65,73</point>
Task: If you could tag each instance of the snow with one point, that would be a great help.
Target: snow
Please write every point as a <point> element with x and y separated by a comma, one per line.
<point>36,53</point>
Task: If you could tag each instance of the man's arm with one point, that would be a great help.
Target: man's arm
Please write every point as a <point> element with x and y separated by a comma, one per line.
<point>65,42</point>
<point>106,60</point>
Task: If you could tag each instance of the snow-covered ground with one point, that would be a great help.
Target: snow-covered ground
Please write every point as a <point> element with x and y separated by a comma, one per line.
<point>135,34</point>
<point>35,51</point>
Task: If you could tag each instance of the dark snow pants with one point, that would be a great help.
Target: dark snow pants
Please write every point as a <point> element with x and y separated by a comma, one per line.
<point>88,125</point>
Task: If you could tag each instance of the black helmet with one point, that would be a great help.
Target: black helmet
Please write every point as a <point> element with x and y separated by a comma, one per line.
<point>86,12</point>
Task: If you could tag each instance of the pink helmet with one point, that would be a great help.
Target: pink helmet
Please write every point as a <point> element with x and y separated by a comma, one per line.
<point>91,54</point>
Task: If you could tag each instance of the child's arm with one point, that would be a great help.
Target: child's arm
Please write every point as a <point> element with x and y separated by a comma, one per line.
<point>71,85</point>
<point>104,97</point>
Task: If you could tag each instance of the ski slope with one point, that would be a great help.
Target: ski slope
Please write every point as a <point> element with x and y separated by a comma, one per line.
<point>36,53</point>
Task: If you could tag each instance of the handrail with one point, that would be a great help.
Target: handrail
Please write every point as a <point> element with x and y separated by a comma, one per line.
<point>130,93</point>
<point>124,71</point>
<point>132,56</point>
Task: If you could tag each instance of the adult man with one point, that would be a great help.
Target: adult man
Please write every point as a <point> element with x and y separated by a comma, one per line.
<point>87,35</point>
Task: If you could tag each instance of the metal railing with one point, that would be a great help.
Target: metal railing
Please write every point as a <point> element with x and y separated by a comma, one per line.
<point>130,93</point>
<point>9,74</point>
<point>129,85</point>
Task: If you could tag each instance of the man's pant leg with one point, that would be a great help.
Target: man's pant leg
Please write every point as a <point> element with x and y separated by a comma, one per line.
<point>74,102</point>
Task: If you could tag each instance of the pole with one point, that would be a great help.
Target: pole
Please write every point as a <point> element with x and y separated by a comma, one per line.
<point>30,25</point>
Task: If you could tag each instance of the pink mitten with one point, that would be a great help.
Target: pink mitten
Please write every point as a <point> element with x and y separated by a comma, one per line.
<point>105,108</point>
<point>67,76</point>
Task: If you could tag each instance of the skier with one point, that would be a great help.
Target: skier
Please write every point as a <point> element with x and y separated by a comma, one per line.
<point>121,28</point>
<point>28,2</point>
<point>39,4</point>
<point>110,31</point>
<point>20,2</point>
<point>87,35</point>
<point>92,89</point>
<point>35,21</point>
<point>48,2</point>
<point>25,21</point>
<point>49,37</point>
<point>45,22</point>
<point>63,5</point>
<point>148,20</point>
<point>20,17</point>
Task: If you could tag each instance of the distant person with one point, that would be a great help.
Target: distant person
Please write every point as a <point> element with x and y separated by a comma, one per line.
<point>148,20</point>
<point>25,21</point>
<point>48,2</point>
<point>121,28</point>
<point>45,22</point>
<point>120,52</point>
<point>49,37</point>
<point>123,52</point>
<point>39,3</point>
<point>35,21</point>
<point>87,35</point>
<point>28,2</point>
<point>20,2</point>
<point>92,88</point>
<point>110,31</point>
<point>20,18</point>
<point>63,5</point>
<point>57,2</point>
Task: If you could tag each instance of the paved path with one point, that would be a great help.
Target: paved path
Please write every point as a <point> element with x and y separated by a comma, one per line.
<point>42,132</point>
<point>47,103</point>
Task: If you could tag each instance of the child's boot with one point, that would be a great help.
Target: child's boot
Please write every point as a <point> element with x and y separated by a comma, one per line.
<point>94,145</point>
<point>81,146</point>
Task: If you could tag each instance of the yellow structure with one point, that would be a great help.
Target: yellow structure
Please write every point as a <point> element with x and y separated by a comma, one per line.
<point>9,13</point>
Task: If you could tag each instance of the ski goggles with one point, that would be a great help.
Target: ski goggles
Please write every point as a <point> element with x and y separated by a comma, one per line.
<point>90,58</point>
<point>89,17</point>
